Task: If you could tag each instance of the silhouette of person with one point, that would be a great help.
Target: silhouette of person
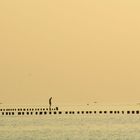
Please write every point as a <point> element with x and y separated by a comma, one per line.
<point>50,103</point>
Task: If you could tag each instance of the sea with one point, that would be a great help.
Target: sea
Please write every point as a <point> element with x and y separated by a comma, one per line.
<point>71,127</point>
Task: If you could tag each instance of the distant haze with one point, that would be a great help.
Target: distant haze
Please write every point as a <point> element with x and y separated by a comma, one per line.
<point>77,51</point>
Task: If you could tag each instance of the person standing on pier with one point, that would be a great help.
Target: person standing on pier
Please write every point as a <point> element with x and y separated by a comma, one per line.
<point>50,103</point>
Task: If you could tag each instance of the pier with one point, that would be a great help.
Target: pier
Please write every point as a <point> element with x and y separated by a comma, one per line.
<point>94,110</point>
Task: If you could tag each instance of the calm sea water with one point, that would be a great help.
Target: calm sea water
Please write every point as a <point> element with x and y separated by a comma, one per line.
<point>78,127</point>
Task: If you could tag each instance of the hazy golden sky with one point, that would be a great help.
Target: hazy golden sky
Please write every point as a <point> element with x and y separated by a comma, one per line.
<point>72,50</point>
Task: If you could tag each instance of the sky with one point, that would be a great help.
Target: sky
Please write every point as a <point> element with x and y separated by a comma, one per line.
<point>76,51</point>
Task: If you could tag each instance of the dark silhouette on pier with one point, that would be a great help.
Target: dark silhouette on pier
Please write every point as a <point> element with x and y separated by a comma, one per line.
<point>50,103</point>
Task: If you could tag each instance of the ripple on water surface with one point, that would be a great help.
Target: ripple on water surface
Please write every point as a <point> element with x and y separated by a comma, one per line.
<point>97,127</point>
